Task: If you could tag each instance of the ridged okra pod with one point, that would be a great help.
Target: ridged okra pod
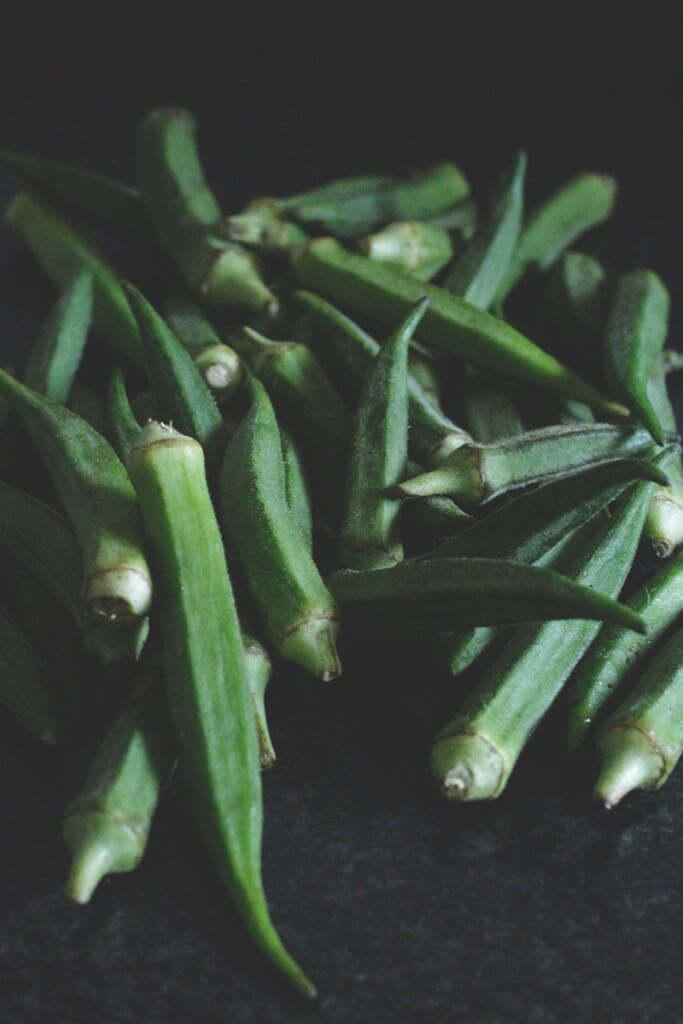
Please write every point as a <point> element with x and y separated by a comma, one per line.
<point>100,503</point>
<point>414,247</point>
<point>664,522</point>
<point>451,325</point>
<point>369,537</point>
<point>298,615</point>
<point>56,356</point>
<point>24,685</point>
<point>297,490</point>
<point>489,410</point>
<point>219,365</point>
<point>205,672</point>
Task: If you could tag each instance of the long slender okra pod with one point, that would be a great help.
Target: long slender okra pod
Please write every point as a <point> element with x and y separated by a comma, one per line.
<point>106,827</point>
<point>415,247</point>
<point>664,522</point>
<point>345,350</point>
<point>62,252</point>
<point>369,537</point>
<point>473,756</point>
<point>641,742</point>
<point>219,364</point>
<point>477,473</point>
<point>480,268</point>
<point>56,356</point>
<point>206,680</point>
<point>187,217</point>
<point>99,500</point>
<point>581,204</point>
<point>297,490</point>
<point>635,335</point>
<point>296,610</point>
<point>24,687</point>
<point>123,428</point>
<point>181,393</point>
<point>451,325</point>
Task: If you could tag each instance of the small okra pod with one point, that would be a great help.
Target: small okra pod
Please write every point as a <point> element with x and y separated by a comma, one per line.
<point>62,252</point>
<point>346,351</point>
<point>56,356</point>
<point>207,687</point>
<point>581,204</point>
<point>24,686</point>
<point>416,248</point>
<point>489,410</point>
<point>259,669</point>
<point>473,756</point>
<point>369,537</point>
<point>187,218</point>
<point>99,501</point>
<point>431,595</point>
<point>634,338</point>
<point>641,742</point>
<point>219,364</point>
<point>664,522</point>
<point>481,267</point>
<point>577,303</point>
<point>297,491</point>
<point>107,826</point>
<point>478,473</point>
<point>182,395</point>
<point>262,225</point>
<point>296,610</point>
<point>123,428</point>
<point>451,325</point>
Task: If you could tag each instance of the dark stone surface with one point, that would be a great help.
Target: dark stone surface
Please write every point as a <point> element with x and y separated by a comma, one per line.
<point>538,908</point>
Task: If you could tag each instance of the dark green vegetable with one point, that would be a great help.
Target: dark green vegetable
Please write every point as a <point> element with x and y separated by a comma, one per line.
<point>219,365</point>
<point>577,303</point>
<point>664,522</point>
<point>123,428</point>
<point>415,247</point>
<point>87,403</point>
<point>24,687</point>
<point>297,491</point>
<point>490,412</point>
<point>259,669</point>
<point>262,224</point>
<point>56,356</point>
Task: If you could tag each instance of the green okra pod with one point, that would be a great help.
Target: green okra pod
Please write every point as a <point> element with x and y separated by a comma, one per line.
<point>219,364</point>
<point>473,756</point>
<point>62,252</point>
<point>87,403</point>
<point>369,537</point>
<point>664,522</point>
<point>297,491</point>
<point>581,204</point>
<point>641,742</point>
<point>425,371</point>
<point>634,338</point>
<point>415,247</point>
<point>451,326</point>
<point>262,224</point>
<point>577,303</point>
<point>296,610</point>
<point>24,686</point>
<point>187,218</point>
<point>56,356</point>
<point>489,410</point>
<point>99,501</point>
<point>481,267</point>
<point>478,473</point>
<point>346,351</point>
<point>259,669</point>
<point>123,428</point>
<point>206,678</point>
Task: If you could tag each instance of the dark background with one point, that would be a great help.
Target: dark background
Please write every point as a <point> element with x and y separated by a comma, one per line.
<point>538,908</point>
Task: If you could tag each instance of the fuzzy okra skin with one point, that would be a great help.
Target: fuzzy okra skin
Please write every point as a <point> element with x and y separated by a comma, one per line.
<point>296,610</point>
<point>369,537</point>
<point>416,248</point>
<point>473,756</point>
<point>636,330</point>
<point>56,356</point>
<point>451,326</point>
<point>100,503</point>
<point>490,412</point>
<point>664,522</point>
<point>346,351</point>
<point>187,218</point>
<point>62,252</point>
<point>206,677</point>
<point>24,686</point>
<point>219,365</point>
<point>477,473</point>
<point>123,428</point>
<point>297,490</point>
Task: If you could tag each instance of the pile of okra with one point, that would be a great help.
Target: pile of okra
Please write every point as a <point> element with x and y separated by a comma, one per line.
<point>329,413</point>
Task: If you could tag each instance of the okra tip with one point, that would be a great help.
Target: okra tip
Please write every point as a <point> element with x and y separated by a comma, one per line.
<point>630,760</point>
<point>466,766</point>
<point>312,643</point>
<point>90,865</point>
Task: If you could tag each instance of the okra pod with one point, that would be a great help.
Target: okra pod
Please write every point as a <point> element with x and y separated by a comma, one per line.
<point>451,325</point>
<point>24,687</point>
<point>297,491</point>
<point>296,610</point>
<point>206,679</point>
<point>425,371</point>
<point>123,428</point>
<point>56,356</point>
<point>577,303</point>
<point>219,364</point>
<point>87,403</point>
<point>490,412</point>
<point>263,225</point>
<point>664,522</point>
<point>259,669</point>
<point>415,247</point>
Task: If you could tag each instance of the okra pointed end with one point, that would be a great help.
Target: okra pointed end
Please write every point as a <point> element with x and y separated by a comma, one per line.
<point>91,864</point>
<point>467,767</point>
<point>312,644</point>
<point>630,760</point>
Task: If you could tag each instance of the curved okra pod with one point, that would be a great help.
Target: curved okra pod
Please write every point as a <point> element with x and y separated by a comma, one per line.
<point>473,756</point>
<point>206,679</point>
<point>581,204</point>
<point>99,501</point>
<point>451,325</point>
<point>297,491</point>
<point>123,428</point>
<point>346,351</point>
<point>62,252</point>
<point>369,536</point>
<point>635,334</point>
<point>429,596</point>
<point>24,687</point>
<point>106,827</point>
<point>219,365</point>
<point>478,473</point>
<point>296,610</point>
<point>187,218</point>
<point>664,522</point>
<point>56,356</point>
<point>641,742</point>
<point>481,267</point>
<point>181,393</point>
<point>415,247</point>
